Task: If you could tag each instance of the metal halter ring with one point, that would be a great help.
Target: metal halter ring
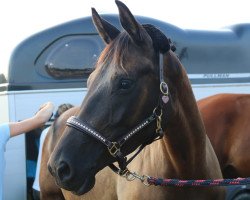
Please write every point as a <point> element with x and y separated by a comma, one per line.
<point>164,88</point>
<point>158,115</point>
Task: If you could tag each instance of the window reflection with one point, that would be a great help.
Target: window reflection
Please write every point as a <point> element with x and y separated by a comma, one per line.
<point>72,57</point>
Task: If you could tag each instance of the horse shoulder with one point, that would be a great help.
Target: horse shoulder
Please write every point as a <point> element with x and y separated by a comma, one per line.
<point>218,113</point>
<point>226,119</point>
<point>240,136</point>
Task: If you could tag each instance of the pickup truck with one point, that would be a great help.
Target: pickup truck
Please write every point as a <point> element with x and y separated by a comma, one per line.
<point>53,65</point>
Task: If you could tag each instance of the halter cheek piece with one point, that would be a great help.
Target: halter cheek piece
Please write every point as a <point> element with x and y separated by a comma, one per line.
<point>114,148</point>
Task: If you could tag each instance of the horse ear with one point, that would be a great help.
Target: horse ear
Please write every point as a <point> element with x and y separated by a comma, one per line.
<point>107,31</point>
<point>129,23</point>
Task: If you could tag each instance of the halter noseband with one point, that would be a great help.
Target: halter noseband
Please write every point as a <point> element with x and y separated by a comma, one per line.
<point>114,148</point>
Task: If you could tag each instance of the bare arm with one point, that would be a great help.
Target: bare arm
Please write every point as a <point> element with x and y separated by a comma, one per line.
<point>34,122</point>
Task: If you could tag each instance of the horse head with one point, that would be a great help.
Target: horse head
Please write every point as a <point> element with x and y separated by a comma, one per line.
<point>123,91</point>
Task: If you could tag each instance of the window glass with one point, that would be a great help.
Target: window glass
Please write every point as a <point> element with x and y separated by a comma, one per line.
<point>71,57</point>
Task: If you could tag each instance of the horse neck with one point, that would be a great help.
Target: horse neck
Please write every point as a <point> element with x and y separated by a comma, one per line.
<point>185,138</point>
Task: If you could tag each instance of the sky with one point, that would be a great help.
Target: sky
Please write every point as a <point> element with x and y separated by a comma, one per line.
<point>20,19</point>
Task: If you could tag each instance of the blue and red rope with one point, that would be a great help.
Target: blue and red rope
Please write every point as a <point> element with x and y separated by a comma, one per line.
<point>197,183</point>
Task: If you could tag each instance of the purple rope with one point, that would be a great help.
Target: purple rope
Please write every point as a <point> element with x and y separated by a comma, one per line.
<point>197,183</point>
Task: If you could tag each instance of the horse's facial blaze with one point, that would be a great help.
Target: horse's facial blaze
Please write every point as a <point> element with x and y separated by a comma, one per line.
<point>119,97</point>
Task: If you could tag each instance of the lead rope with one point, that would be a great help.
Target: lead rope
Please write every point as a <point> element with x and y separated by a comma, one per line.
<point>148,181</point>
<point>197,183</point>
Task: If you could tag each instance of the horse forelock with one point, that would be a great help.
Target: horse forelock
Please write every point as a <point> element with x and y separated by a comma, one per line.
<point>114,53</point>
<point>111,62</point>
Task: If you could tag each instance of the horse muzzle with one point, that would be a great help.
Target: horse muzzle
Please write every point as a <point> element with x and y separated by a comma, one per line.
<point>66,178</point>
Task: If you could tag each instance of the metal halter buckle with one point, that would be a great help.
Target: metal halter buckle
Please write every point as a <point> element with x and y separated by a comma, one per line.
<point>158,125</point>
<point>157,112</point>
<point>114,149</point>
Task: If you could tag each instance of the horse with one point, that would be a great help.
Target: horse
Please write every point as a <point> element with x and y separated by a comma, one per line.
<point>138,94</point>
<point>226,118</point>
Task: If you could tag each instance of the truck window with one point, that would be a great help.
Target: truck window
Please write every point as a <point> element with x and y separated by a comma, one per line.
<point>70,57</point>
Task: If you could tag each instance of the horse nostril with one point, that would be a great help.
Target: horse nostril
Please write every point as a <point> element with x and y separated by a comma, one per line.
<point>63,171</point>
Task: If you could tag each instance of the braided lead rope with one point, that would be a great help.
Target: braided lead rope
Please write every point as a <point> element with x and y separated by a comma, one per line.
<point>197,183</point>
<point>147,181</point>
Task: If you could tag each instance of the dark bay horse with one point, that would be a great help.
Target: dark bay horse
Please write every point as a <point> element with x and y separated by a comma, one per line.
<point>138,92</point>
<point>226,118</point>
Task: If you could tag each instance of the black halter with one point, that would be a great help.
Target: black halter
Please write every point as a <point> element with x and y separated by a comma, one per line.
<point>114,148</point>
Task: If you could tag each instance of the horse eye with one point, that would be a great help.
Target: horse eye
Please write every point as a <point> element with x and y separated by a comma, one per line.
<point>125,84</point>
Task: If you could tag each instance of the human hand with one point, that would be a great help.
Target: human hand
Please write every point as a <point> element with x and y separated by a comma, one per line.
<point>45,112</point>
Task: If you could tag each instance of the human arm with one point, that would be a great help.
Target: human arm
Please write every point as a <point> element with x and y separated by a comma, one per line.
<point>34,122</point>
